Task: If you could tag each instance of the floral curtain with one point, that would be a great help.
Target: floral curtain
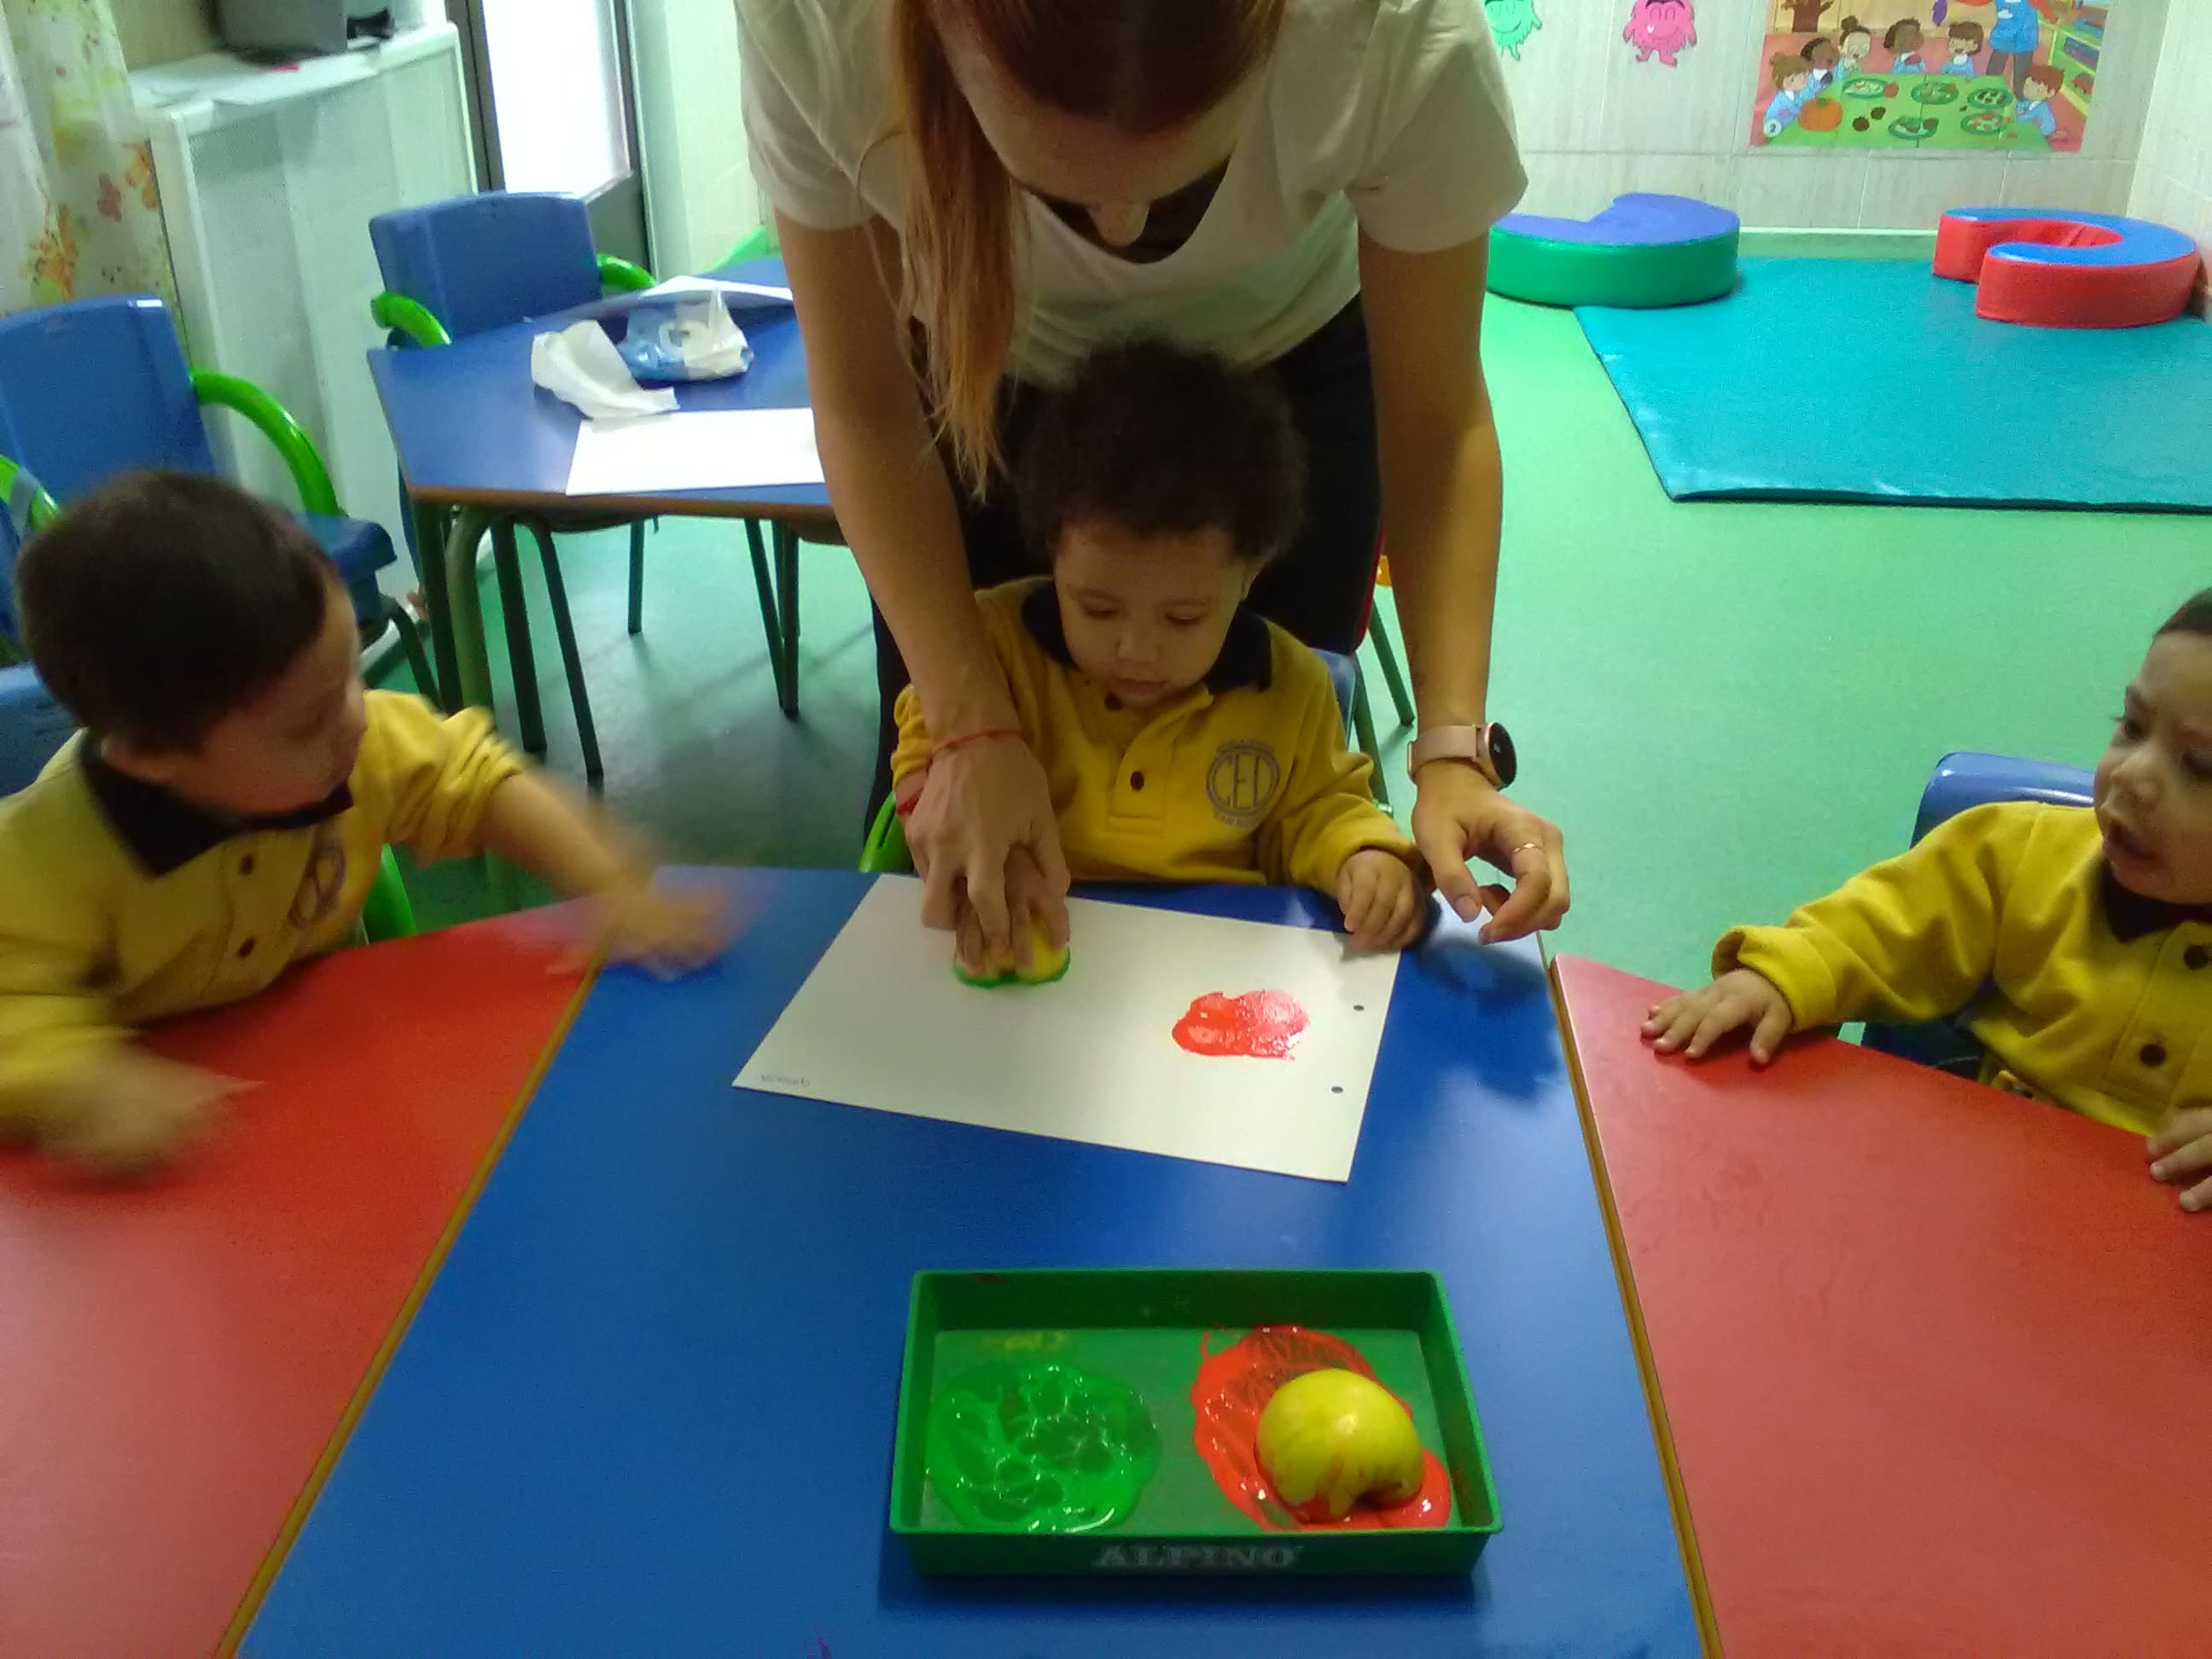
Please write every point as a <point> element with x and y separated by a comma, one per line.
<point>79,214</point>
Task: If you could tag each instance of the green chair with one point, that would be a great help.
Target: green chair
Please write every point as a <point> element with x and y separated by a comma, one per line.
<point>1363,714</point>
<point>388,914</point>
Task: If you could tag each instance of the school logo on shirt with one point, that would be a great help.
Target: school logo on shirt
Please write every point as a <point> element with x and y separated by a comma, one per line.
<point>1242,781</point>
<point>324,881</point>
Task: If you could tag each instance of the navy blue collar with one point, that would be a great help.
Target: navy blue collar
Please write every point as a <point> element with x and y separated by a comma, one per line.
<point>2131,917</point>
<point>1247,661</point>
<point>165,832</point>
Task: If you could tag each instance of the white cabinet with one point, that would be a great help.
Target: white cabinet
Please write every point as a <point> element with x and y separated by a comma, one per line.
<point>268,178</point>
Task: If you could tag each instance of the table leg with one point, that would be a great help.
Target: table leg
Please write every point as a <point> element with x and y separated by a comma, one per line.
<point>786,600</point>
<point>771,604</point>
<point>468,683</point>
<point>431,571</point>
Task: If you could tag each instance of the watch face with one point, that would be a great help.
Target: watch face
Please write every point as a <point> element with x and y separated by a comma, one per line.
<point>1502,758</point>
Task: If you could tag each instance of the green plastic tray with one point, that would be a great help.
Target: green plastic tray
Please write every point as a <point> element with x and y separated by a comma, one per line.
<point>1142,1328</point>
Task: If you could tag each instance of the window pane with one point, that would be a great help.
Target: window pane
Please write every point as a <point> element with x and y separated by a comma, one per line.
<point>557,87</point>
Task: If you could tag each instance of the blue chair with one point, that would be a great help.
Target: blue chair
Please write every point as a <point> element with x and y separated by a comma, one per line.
<point>100,388</point>
<point>1965,779</point>
<point>477,263</point>
<point>884,852</point>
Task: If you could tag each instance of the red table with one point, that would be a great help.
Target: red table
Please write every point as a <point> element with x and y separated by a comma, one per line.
<point>1932,1360</point>
<point>176,1359</point>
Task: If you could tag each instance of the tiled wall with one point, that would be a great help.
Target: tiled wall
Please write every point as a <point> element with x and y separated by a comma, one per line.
<point>1594,122</point>
<point>702,201</point>
<point>162,31</point>
<point>2173,173</point>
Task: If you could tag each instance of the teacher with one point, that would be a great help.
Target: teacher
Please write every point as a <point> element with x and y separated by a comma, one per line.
<point>971,194</point>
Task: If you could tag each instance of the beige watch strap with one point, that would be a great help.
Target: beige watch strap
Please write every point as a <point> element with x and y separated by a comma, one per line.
<point>1466,743</point>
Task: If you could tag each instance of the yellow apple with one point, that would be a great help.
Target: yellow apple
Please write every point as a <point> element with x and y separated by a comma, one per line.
<point>1329,1439</point>
<point>1048,961</point>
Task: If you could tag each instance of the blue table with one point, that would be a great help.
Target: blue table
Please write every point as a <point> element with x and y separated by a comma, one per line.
<point>648,1405</point>
<point>478,440</point>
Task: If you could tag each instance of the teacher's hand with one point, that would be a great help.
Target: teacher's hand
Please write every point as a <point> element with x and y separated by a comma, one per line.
<point>983,832</point>
<point>1459,816</point>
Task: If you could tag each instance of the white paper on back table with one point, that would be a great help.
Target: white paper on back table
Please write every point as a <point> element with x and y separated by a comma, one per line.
<point>1093,1056</point>
<point>695,449</point>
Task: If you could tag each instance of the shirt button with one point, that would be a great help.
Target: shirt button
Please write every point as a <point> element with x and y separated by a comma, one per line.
<point>1114,705</point>
<point>2197,955</point>
<point>1136,780</point>
<point>2152,1055</point>
<point>246,949</point>
<point>245,865</point>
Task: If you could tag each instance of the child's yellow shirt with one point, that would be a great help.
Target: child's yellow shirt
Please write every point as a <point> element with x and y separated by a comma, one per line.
<point>1243,778</point>
<point>120,903</point>
<point>2080,992</point>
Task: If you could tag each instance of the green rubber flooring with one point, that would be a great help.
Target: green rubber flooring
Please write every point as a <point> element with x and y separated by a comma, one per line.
<point>1728,707</point>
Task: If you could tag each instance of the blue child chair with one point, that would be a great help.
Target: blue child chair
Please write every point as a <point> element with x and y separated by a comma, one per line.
<point>1962,779</point>
<point>100,388</point>
<point>476,263</point>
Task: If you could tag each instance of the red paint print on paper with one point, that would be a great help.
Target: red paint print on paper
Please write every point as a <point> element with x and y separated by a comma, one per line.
<point>1234,1386</point>
<point>1260,1024</point>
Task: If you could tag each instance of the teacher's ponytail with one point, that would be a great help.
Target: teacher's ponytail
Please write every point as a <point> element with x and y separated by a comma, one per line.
<point>1146,66</point>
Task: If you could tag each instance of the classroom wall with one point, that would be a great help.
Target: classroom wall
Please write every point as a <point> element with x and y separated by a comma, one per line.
<point>162,31</point>
<point>2173,174</point>
<point>700,189</point>
<point>1594,122</point>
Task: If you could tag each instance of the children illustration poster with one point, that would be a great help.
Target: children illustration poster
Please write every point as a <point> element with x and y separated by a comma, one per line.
<point>1967,75</point>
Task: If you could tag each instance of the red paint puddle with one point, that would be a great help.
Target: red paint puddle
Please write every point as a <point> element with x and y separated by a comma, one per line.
<point>1260,1025</point>
<point>1233,1388</point>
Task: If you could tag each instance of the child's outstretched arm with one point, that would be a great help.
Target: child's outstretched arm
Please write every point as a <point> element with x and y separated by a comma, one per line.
<point>1913,938</point>
<point>569,845</point>
<point>450,787</point>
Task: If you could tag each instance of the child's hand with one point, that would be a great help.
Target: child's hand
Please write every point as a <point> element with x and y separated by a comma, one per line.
<point>667,934</point>
<point>136,1112</point>
<point>1695,1020</point>
<point>1381,898</point>
<point>2182,1151</point>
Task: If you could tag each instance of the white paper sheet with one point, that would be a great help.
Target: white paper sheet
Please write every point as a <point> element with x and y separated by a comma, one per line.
<point>723,285</point>
<point>702,449</point>
<point>882,1023</point>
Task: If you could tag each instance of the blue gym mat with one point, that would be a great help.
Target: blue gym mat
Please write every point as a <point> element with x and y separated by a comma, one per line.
<point>1872,380</point>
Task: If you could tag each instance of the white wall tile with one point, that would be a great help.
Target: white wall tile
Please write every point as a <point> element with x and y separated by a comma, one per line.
<point>1822,191</point>
<point>1913,192</point>
<point>2061,182</point>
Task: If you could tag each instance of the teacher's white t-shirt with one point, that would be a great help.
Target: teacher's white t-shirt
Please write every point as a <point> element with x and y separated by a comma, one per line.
<point>1385,116</point>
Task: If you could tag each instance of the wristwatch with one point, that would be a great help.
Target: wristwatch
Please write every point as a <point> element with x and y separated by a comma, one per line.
<point>1488,746</point>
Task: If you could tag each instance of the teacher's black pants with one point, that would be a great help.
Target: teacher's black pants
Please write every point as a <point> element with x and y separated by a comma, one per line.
<point>1318,590</point>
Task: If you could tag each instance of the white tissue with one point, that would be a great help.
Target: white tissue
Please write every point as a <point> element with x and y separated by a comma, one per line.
<point>580,365</point>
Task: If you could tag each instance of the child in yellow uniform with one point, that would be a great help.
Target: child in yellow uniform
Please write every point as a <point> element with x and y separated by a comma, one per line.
<point>226,810</point>
<point>1183,738</point>
<point>2078,940</point>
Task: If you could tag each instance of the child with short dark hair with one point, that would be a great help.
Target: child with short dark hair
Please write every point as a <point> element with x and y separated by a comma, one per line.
<point>226,810</point>
<point>2078,940</point>
<point>1183,738</point>
<point>1965,40</point>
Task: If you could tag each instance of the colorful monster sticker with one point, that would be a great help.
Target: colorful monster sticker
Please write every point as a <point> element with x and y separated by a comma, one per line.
<point>1664,27</point>
<point>1511,22</point>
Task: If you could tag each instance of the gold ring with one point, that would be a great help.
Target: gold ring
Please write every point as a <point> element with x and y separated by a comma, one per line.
<point>1525,847</point>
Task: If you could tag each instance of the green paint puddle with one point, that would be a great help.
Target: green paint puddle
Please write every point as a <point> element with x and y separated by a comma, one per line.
<point>1040,1448</point>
